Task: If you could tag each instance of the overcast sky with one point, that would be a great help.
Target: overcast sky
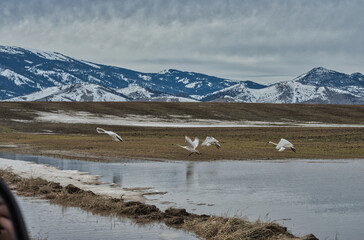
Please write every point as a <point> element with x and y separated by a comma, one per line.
<point>264,41</point>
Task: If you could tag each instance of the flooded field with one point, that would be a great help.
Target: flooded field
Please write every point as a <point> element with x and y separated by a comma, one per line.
<point>323,197</point>
<point>46,221</point>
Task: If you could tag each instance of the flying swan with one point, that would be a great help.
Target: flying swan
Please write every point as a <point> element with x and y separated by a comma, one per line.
<point>114,136</point>
<point>211,141</point>
<point>190,146</point>
<point>283,144</point>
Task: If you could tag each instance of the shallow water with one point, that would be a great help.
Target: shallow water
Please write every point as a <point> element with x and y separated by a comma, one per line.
<point>47,221</point>
<point>323,197</point>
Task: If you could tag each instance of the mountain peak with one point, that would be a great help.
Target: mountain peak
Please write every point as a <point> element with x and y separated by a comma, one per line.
<point>169,71</point>
<point>329,78</point>
<point>320,70</point>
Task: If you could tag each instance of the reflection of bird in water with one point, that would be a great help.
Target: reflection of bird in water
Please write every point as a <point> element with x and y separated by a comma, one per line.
<point>283,144</point>
<point>114,136</point>
<point>211,141</point>
<point>116,177</point>
<point>190,146</point>
<point>189,172</point>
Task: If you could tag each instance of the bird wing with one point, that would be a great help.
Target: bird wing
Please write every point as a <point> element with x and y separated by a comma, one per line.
<point>284,143</point>
<point>114,136</point>
<point>189,142</point>
<point>195,143</point>
<point>281,149</point>
<point>206,142</point>
<point>210,140</point>
<point>117,138</point>
<point>214,140</point>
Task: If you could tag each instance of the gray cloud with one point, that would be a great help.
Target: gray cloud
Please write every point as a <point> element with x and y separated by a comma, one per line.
<point>251,39</point>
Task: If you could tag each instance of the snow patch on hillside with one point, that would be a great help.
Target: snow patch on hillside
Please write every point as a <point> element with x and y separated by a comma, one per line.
<point>184,80</point>
<point>17,78</point>
<point>10,50</point>
<point>90,64</point>
<point>193,85</point>
<point>134,91</point>
<point>145,77</point>
<point>71,93</point>
<point>49,55</point>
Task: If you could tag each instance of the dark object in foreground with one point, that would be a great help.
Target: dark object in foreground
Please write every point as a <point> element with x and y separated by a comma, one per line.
<point>10,211</point>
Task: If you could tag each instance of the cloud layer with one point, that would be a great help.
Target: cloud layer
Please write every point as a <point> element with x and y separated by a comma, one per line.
<point>259,40</point>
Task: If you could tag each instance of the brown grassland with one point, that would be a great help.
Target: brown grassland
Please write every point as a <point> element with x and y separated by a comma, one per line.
<point>80,141</point>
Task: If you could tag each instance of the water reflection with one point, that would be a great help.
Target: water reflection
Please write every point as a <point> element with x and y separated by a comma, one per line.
<point>44,222</point>
<point>116,178</point>
<point>189,173</point>
<point>323,197</point>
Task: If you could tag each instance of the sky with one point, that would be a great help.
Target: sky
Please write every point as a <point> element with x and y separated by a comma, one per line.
<point>260,40</point>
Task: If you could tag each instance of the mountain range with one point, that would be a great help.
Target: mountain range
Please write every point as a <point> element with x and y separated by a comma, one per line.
<point>34,75</point>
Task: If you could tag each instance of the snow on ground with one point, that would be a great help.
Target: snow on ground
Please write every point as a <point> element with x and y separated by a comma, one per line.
<point>81,180</point>
<point>174,121</point>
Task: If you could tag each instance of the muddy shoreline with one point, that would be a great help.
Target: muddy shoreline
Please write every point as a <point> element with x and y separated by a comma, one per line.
<point>204,226</point>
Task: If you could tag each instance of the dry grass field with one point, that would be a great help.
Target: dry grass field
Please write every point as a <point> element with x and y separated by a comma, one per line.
<point>80,141</point>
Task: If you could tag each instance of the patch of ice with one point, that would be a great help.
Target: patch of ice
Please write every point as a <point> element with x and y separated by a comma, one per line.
<point>82,180</point>
<point>72,117</point>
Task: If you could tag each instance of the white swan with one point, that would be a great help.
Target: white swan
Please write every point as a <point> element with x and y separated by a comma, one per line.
<point>190,146</point>
<point>283,144</point>
<point>211,141</point>
<point>114,136</point>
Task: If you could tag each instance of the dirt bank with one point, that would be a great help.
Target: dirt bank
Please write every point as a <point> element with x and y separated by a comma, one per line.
<point>204,226</point>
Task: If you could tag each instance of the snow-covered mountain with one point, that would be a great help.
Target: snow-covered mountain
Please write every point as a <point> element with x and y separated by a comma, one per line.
<point>24,71</point>
<point>319,85</point>
<point>286,92</point>
<point>80,92</point>
<point>33,75</point>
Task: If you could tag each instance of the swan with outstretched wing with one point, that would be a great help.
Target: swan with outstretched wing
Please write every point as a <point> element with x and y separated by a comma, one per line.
<point>283,145</point>
<point>190,146</point>
<point>113,135</point>
<point>211,141</point>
